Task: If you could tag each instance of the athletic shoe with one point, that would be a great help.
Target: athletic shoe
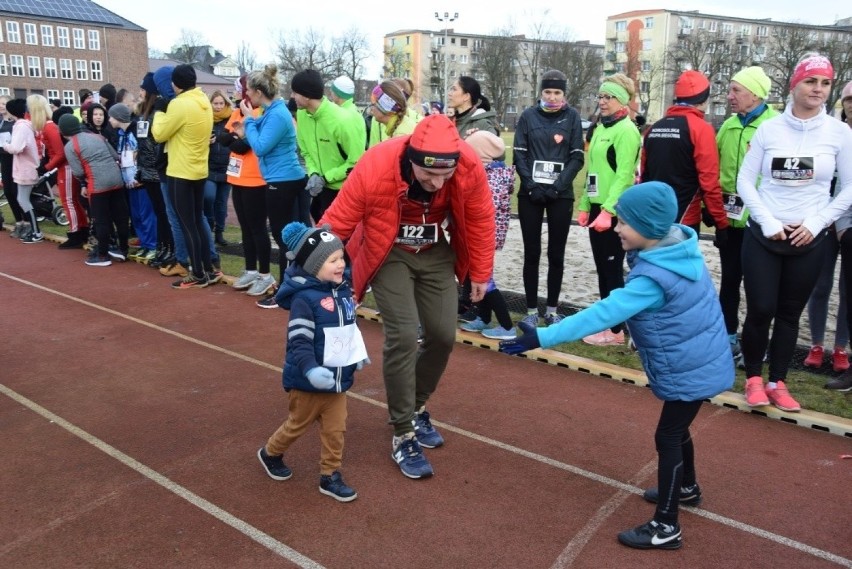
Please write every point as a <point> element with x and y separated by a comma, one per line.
<point>652,535</point>
<point>469,315</point>
<point>146,255</point>
<point>839,360</point>
<point>191,281</point>
<point>499,333</point>
<point>552,318</point>
<point>245,280</point>
<point>33,238</point>
<point>117,254</point>
<point>274,465</point>
<point>268,302</point>
<point>815,357</point>
<point>782,399</point>
<point>261,285</point>
<point>95,260</point>
<point>215,276</point>
<point>689,495</point>
<point>531,319</point>
<point>755,393</point>
<point>174,270</point>
<point>17,232</point>
<point>842,383</point>
<point>426,434</point>
<point>475,325</point>
<point>605,338</point>
<point>335,487</point>
<point>409,456</point>
<point>133,242</point>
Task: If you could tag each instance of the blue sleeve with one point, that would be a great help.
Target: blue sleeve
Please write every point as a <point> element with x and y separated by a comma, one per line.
<point>274,130</point>
<point>300,336</point>
<point>640,293</point>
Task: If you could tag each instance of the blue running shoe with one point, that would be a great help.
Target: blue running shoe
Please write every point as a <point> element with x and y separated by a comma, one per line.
<point>409,456</point>
<point>499,333</point>
<point>476,325</point>
<point>426,434</point>
<point>334,486</point>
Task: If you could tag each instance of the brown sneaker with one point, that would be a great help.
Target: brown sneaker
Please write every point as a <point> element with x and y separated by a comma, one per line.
<point>175,270</point>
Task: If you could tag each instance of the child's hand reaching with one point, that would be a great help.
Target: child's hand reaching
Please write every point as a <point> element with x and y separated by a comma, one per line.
<point>321,378</point>
<point>360,365</point>
<point>527,341</point>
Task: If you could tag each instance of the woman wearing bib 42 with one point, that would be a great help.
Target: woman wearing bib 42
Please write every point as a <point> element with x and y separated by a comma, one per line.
<point>793,157</point>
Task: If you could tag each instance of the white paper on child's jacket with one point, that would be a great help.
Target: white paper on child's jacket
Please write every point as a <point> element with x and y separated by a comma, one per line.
<point>344,346</point>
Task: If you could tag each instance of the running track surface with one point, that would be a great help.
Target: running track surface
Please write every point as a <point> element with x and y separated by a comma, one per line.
<point>131,414</point>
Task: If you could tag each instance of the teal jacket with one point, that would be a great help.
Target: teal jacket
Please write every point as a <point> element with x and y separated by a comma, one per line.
<point>331,142</point>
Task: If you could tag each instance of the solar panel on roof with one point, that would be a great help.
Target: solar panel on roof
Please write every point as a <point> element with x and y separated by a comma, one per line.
<point>82,10</point>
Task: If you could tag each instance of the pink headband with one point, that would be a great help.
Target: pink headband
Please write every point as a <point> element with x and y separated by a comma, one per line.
<point>383,101</point>
<point>813,66</point>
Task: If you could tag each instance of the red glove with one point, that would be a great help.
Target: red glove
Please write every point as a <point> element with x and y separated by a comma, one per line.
<point>583,218</point>
<point>602,222</point>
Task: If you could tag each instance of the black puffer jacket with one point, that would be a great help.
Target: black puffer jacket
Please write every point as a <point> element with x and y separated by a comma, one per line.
<point>217,162</point>
<point>146,157</point>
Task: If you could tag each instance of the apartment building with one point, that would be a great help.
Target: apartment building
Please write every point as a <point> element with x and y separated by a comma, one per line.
<point>57,47</point>
<point>655,46</point>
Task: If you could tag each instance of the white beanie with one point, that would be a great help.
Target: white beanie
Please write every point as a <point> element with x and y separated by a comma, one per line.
<point>343,87</point>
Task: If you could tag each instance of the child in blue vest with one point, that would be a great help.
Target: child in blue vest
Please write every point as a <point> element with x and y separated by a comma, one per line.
<point>674,318</point>
<point>324,348</point>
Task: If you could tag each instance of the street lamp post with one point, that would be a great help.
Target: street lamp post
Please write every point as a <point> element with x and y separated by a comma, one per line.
<point>446,18</point>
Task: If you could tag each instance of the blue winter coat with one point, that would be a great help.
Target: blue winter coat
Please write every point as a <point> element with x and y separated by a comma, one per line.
<point>314,305</point>
<point>272,137</point>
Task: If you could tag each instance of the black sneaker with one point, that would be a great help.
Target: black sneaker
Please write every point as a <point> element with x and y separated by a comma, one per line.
<point>843,383</point>
<point>118,254</point>
<point>335,487</point>
<point>95,260</point>
<point>190,281</point>
<point>652,535</point>
<point>268,302</point>
<point>689,495</point>
<point>33,238</point>
<point>274,465</point>
<point>469,315</point>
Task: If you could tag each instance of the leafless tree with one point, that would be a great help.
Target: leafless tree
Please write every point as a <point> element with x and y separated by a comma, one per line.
<point>311,49</point>
<point>154,53</point>
<point>186,48</point>
<point>396,63</point>
<point>530,53</point>
<point>837,47</point>
<point>787,47</point>
<point>650,81</point>
<point>246,58</point>
<point>350,51</point>
<point>495,65</point>
<point>582,64</point>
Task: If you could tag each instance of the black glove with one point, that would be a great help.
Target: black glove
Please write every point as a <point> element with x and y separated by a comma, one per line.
<point>550,194</point>
<point>706,218</point>
<point>161,104</point>
<point>721,238</point>
<point>527,341</point>
<point>41,170</point>
<point>537,195</point>
<point>226,138</point>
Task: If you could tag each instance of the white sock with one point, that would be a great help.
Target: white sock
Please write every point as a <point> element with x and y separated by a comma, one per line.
<point>771,385</point>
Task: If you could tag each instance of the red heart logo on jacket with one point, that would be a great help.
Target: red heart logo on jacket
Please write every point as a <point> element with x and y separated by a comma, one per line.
<point>557,138</point>
<point>327,303</point>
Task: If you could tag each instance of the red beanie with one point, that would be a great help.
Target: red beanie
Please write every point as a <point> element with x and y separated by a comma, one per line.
<point>813,66</point>
<point>435,143</point>
<point>692,88</point>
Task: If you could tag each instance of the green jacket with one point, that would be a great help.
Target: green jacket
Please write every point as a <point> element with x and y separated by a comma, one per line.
<point>331,141</point>
<point>476,119</point>
<point>733,140</point>
<point>612,158</point>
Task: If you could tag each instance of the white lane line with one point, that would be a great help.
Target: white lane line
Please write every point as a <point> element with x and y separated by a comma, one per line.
<point>628,488</point>
<point>223,516</point>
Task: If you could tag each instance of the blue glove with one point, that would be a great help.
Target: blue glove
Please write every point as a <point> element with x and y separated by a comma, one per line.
<point>527,341</point>
<point>360,365</point>
<point>321,378</point>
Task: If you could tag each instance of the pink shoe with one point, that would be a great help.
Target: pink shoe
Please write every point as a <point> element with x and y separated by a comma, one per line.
<point>782,399</point>
<point>605,338</point>
<point>755,394</point>
<point>814,357</point>
<point>839,360</point>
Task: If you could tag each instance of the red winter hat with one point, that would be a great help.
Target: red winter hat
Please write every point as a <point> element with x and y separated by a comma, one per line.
<point>815,65</point>
<point>435,143</point>
<point>692,88</point>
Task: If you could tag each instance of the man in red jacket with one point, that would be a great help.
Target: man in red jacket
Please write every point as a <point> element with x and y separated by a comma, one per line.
<point>680,150</point>
<point>395,209</point>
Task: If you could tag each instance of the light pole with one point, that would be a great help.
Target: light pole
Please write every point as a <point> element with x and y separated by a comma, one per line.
<point>446,18</point>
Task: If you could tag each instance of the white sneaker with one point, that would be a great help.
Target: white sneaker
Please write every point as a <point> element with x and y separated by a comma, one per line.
<point>246,280</point>
<point>261,285</point>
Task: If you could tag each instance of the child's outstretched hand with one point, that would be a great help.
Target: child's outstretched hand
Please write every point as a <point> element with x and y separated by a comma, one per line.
<point>360,365</point>
<point>527,341</point>
<point>321,377</point>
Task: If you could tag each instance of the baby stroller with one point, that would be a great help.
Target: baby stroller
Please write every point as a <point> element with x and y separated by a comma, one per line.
<point>44,203</point>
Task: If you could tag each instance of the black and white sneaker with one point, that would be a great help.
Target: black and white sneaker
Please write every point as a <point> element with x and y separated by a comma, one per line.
<point>274,465</point>
<point>689,495</point>
<point>652,535</point>
<point>118,254</point>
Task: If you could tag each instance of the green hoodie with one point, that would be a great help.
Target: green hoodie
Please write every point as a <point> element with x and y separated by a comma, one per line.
<point>613,157</point>
<point>331,142</point>
<point>733,140</point>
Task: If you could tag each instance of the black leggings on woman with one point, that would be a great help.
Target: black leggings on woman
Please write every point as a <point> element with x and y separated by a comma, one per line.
<point>731,262</point>
<point>188,201</point>
<point>777,289</point>
<point>164,230</point>
<point>250,207</point>
<point>675,456</point>
<point>281,207</point>
<point>608,255</point>
<point>531,216</point>
<point>10,188</point>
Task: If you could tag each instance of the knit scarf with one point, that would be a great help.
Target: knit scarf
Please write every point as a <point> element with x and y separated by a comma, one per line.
<point>614,117</point>
<point>222,115</point>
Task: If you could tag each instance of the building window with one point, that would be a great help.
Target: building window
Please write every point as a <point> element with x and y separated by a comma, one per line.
<point>620,67</point>
<point>50,69</point>
<point>644,86</point>
<point>762,31</point>
<point>82,69</point>
<point>4,70</point>
<point>727,28</point>
<point>463,42</point>
<point>463,58</point>
<point>94,40</point>
<point>646,44</point>
<point>97,71</point>
<point>69,98</point>
<point>646,65</point>
<point>714,26</point>
<point>16,62</point>
<point>620,46</point>
<point>47,38</point>
<point>65,69</point>
<point>52,94</point>
<point>33,66</point>
<point>13,33</point>
<point>5,91</point>
<point>30,36</point>
<point>511,109</point>
<point>649,22</point>
<point>687,23</point>
<point>62,37</point>
<point>745,30</point>
<point>79,42</point>
<point>621,26</point>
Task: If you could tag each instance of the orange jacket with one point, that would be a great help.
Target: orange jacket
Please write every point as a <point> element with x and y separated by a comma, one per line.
<point>246,164</point>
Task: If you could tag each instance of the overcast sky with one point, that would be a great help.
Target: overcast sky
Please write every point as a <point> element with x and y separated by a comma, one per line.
<point>224,24</point>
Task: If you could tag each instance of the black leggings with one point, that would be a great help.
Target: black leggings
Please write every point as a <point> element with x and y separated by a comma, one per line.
<point>531,216</point>
<point>250,207</point>
<point>777,289</point>
<point>731,262</point>
<point>108,209</point>
<point>846,268</point>
<point>188,201</point>
<point>10,188</point>
<point>164,230</point>
<point>608,255</point>
<point>281,207</point>
<point>321,202</point>
<point>675,456</point>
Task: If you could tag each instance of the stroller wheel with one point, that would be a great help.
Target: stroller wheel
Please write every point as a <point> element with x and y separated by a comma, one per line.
<point>59,216</point>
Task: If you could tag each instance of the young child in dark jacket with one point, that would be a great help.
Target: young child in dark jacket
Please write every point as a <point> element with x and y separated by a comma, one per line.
<point>324,348</point>
<point>674,318</point>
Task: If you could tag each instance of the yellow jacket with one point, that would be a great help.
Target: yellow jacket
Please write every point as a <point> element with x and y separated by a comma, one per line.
<point>185,127</point>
